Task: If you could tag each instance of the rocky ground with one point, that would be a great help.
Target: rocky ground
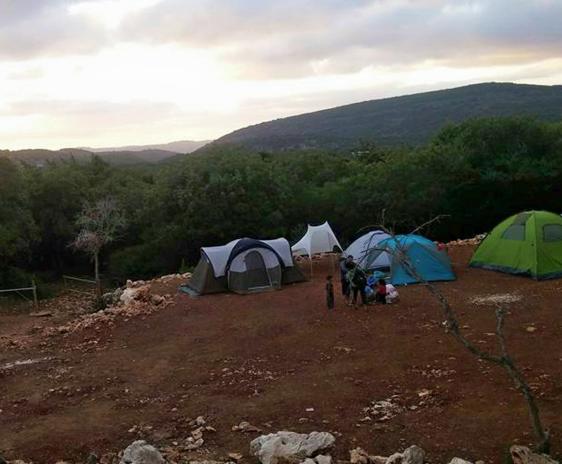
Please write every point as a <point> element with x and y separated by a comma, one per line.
<point>201,378</point>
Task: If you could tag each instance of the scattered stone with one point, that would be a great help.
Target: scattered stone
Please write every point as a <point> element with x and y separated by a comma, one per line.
<point>412,455</point>
<point>200,421</point>
<point>459,461</point>
<point>193,444</point>
<point>140,452</point>
<point>384,410</point>
<point>235,456</point>
<point>496,299</point>
<point>358,456</point>
<point>323,459</point>
<point>469,241</point>
<point>289,445</point>
<point>208,461</point>
<point>45,313</point>
<point>246,427</point>
<point>531,329</point>
<point>523,455</point>
<point>395,458</point>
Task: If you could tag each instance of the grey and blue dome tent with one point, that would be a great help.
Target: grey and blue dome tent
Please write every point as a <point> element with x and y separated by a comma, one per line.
<point>429,262</point>
<point>244,265</point>
<point>360,248</point>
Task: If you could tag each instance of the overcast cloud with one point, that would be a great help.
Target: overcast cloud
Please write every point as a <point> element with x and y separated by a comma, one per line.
<point>105,72</point>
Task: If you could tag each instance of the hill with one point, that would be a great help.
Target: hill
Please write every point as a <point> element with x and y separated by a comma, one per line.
<point>39,157</point>
<point>409,119</point>
<point>179,146</point>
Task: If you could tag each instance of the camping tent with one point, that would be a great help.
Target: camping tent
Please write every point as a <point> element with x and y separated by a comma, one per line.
<point>318,239</point>
<point>244,266</point>
<point>366,244</point>
<point>528,243</point>
<point>421,253</point>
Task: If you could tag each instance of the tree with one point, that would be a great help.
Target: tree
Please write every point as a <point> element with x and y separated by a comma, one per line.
<point>503,359</point>
<point>18,230</point>
<point>99,224</point>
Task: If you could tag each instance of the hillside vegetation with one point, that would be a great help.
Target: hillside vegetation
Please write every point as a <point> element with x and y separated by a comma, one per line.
<point>38,157</point>
<point>409,120</point>
<point>478,172</point>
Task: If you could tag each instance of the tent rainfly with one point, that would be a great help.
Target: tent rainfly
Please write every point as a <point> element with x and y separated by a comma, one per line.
<point>429,262</point>
<point>527,244</point>
<point>318,239</point>
<point>364,245</point>
<point>244,266</point>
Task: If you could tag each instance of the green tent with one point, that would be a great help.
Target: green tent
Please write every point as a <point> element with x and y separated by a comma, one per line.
<point>528,243</point>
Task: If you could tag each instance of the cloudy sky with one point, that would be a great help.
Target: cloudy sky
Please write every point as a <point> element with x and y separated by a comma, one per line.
<point>117,72</point>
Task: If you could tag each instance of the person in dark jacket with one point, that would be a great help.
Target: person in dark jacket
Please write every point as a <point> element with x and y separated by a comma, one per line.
<point>357,279</point>
<point>345,289</point>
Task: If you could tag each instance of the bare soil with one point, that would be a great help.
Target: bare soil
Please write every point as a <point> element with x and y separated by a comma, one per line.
<point>282,361</point>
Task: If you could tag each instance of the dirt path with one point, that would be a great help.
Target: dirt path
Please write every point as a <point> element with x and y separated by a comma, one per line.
<point>281,361</point>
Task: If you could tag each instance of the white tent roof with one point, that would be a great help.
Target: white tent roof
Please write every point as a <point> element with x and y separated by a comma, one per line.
<point>218,255</point>
<point>359,248</point>
<point>318,239</point>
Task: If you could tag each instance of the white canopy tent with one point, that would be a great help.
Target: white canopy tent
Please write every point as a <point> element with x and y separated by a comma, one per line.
<point>318,239</point>
<point>360,248</point>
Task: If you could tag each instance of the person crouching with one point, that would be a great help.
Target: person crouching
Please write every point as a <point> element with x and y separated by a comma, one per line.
<point>380,292</point>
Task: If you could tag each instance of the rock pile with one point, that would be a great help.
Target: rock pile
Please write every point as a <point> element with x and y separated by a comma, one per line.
<point>412,455</point>
<point>290,446</point>
<point>286,447</point>
<point>384,410</point>
<point>468,241</point>
<point>523,455</point>
<point>135,299</point>
<point>496,299</point>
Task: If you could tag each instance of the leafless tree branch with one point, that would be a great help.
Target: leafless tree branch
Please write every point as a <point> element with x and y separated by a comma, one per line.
<point>503,360</point>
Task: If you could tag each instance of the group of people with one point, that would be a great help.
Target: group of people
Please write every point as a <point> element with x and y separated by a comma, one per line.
<point>356,283</point>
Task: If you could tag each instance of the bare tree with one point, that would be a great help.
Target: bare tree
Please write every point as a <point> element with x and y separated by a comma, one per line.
<point>99,225</point>
<point>503,359</point>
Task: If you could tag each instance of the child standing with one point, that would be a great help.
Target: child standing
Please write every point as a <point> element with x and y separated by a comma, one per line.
<point>329,292</point>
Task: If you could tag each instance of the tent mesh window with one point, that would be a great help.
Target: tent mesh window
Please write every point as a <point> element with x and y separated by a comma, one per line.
<point>552,233</point>
<point>516,231</point>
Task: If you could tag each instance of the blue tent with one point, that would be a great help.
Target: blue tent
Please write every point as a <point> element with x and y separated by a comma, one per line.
<point>430,263</point>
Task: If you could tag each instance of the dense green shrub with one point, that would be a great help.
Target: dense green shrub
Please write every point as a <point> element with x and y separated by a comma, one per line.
<point>477,173</point>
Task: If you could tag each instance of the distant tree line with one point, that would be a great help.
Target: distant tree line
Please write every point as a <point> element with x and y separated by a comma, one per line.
<point>476,172</point>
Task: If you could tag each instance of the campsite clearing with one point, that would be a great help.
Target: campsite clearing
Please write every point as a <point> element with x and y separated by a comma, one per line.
<point>381,378</point>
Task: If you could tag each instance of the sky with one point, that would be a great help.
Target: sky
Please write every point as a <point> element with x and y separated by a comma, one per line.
<point>121,72</point>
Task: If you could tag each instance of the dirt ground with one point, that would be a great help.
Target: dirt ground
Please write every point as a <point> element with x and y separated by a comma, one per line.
<point>281,361</point>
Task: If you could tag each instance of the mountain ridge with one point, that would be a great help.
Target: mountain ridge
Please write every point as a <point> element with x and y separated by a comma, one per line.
<point>407,119</point>
<point>177,146</point>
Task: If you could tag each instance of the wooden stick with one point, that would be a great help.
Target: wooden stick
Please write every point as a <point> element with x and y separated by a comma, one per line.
<point>35,301</point>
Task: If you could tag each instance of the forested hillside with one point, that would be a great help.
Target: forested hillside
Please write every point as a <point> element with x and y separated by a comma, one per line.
<point>39,157</point>
<point>405,120</point>
<point>478,172</point>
